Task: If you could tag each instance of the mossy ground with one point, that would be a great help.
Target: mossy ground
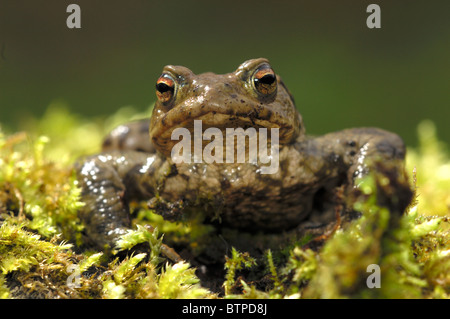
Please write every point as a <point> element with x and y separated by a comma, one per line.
<point>43,254</point>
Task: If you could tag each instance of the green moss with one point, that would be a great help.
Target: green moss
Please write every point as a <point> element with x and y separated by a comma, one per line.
<point>377,238</point>
<point>42,193</point>
<point>429,164</point>
<point>43,252</point>
<point>233,264</point>
<point>180,281</point>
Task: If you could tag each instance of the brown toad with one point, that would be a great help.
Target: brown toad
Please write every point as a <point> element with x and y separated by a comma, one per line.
<point>134,166</point>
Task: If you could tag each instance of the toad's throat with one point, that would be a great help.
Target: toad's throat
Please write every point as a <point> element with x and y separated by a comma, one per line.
<point>212,123</point>
<point>234,150</point>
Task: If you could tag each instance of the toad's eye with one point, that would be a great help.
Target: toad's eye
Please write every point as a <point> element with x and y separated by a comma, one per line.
<point>165,88</point>
<point>265,80</point>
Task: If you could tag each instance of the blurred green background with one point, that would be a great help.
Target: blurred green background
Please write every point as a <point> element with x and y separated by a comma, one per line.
<point>341,73</point>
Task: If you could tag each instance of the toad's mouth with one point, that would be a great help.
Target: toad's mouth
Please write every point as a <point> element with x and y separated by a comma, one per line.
<point>161,132</point>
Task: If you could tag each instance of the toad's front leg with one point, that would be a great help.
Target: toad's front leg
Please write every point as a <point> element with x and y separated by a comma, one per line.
<point>361,147</point>
<point>363,150</point>
<point>109,181</point>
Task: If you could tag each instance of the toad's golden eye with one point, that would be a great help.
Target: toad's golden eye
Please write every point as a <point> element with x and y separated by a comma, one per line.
<point>265,80</point>
<point>165,88</point>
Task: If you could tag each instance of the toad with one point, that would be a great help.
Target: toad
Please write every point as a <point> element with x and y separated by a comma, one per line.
<point>137,161</point>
